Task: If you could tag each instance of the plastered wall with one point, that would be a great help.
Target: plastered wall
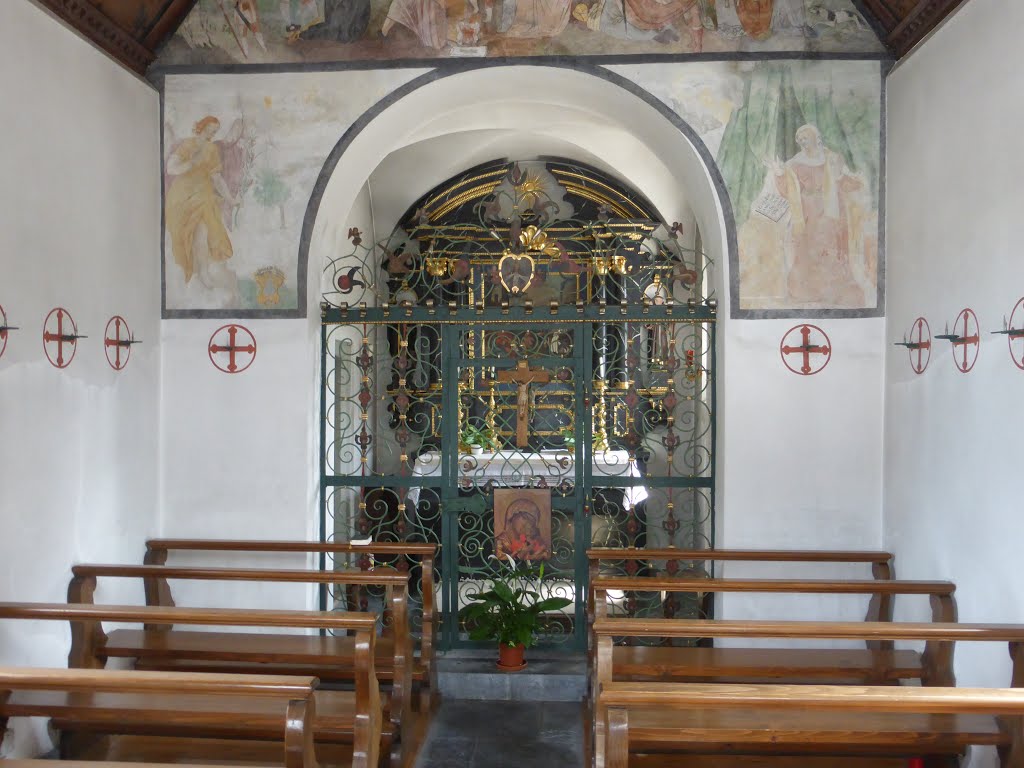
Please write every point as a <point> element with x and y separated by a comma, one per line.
<point>80,229</point>
<point>952,500</point>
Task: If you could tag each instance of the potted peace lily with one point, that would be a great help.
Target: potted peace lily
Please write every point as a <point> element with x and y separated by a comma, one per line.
<point>510,611</point>
<point>476,439</point>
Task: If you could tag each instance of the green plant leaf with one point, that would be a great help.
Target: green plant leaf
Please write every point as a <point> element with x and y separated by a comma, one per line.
<point>504,592</point>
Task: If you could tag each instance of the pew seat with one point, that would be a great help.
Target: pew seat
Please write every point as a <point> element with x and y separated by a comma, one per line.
<point>349,717</point>
<point>404,556</point>
<point>696,664</point>
<point>280,709</point>
<point>170,714</point>
<point>275,654</point>
<point>766,720</point>
<point>718,718</point>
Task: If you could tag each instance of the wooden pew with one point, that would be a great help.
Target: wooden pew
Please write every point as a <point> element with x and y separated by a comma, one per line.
<point>827,665</point>
<point>662,721</point>
<point>330,658</point>
<point>189,702</point>
<point>424,670</point>
<point>937,671</point>
<point>684,562</point>
<point>341,717</point>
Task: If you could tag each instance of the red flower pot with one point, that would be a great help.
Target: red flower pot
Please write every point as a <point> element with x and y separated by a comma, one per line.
<point>510,657</point>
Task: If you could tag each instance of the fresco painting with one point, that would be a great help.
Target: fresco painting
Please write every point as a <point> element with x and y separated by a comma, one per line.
<point>801,160</point>
<point>222,32</point>
<point>798,146</point>
<point>240,164</point>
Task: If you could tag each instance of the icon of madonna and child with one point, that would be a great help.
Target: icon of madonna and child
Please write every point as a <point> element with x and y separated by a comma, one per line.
<point>522,523</point>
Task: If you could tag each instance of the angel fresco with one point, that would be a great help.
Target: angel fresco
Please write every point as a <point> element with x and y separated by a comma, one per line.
<point>204,181</point>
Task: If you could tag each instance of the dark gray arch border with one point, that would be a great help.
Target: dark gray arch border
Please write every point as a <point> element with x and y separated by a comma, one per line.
<point>313,207</point>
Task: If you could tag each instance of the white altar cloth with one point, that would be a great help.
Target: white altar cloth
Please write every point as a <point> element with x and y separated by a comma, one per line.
<point>520,468</point>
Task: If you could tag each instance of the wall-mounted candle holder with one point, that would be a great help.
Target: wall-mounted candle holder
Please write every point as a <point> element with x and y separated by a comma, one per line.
<point>4,330</point>
<point>965,338</point>
<point>59,330</point>
<point>117,342</point>
<point>1013,329</point>
<point>919,345</point>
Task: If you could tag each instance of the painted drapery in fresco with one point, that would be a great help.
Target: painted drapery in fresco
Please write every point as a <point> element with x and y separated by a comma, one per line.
<point>800,158</point>
<point>798,147</point>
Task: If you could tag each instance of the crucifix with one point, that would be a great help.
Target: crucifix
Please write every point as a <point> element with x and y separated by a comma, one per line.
<point>522,377</point>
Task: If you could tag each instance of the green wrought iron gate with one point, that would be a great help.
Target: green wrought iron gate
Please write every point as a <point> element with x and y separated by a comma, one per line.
<point>522,385</point>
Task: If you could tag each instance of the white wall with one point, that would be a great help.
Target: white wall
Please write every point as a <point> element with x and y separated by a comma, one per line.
<point>799,460</point>
<point>80,229</point>
<point>952,490</point>
<point>799,457</point>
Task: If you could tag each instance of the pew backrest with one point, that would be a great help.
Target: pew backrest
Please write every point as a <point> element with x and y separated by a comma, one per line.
<point>618,700</point>
<point>83,585</point>
<point>880,605</point>
<point>157,551</point>
<point>695,562</point>
<point>294,692</point>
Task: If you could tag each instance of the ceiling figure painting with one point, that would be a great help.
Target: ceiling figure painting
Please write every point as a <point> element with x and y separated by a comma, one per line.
<point>288,31</point>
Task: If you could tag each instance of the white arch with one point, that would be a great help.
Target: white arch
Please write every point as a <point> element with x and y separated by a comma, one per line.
<point>637,137</point>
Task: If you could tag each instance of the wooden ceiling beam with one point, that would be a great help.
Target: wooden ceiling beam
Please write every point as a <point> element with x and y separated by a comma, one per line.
<point>96,26</point>
<point>922,19</point>
<point>164,27</point>
<point>882,13</point>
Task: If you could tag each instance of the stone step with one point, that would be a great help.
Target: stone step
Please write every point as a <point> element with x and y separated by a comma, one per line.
<point>548,676</point>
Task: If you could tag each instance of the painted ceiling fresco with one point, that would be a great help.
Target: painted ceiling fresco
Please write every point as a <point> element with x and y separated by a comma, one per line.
<point>228,32</point>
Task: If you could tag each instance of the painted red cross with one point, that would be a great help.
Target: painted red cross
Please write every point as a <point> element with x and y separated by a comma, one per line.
<point>806,349</point>
<point>116,343</point>
<point>232,348</point>
<point>60,337</point>
<point>920,342</point>
<point>966,341</point>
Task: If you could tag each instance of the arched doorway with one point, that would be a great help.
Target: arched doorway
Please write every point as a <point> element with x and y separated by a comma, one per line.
<point>535,378</point>
<point>606,328</point>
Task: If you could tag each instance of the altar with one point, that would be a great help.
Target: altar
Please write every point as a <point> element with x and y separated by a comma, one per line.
<point>535,469</point>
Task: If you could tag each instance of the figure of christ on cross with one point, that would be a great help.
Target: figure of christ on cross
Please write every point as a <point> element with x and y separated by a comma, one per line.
<point>522,377</point>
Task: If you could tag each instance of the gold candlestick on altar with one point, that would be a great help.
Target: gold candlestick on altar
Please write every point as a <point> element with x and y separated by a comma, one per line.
<point>600,416</point>
<point>491,408</point>
<point>462,387</point>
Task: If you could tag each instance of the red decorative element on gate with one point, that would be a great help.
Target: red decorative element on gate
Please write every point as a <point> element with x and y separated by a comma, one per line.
<point>59,332</point>
<point>966,340</point>
<point>1014,335</point>
<point>919,346</point>
<point>813,346</point>
<point>117,342</point>
<point>234,341</point>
